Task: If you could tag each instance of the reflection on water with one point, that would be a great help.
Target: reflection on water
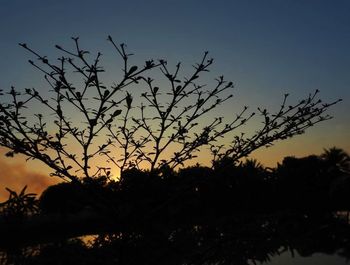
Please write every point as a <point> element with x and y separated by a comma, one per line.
<point>88,240</point>
<point>248,239</point>
<point>287,258</point>
<point>284,257</point>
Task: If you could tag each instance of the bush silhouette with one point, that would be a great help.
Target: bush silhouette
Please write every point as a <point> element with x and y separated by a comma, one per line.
<point>63,198</point>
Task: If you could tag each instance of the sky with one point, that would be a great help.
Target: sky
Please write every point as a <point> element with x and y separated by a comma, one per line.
<point>267,48</point>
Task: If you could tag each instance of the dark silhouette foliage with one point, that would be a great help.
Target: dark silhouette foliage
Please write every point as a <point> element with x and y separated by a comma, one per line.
<point>19,206</point>
<point>63,198</point>
<point>337,158</point>
<point>231,213</point>
<point>308,184</point>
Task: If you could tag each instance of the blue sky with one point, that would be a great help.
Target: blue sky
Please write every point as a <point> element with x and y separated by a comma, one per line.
<point>267,48</point>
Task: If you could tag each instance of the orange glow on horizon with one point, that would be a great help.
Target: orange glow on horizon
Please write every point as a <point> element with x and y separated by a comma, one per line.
<point>15,172</point>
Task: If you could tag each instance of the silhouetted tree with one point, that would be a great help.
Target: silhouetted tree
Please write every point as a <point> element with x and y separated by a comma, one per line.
<point>63,198</point>
<point>338,168</point>
<point>337,158</point>
<point>106,123</point>
<point>303,183</point>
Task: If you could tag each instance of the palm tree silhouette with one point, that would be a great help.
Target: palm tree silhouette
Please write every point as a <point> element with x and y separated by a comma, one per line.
<point>337,158</point>
<point>253,165</point>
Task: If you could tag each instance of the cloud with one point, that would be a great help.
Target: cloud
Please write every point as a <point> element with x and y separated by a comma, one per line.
<point>15,174</point>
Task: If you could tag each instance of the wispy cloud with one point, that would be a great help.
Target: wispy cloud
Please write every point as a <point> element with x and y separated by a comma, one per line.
<point>16,174</point>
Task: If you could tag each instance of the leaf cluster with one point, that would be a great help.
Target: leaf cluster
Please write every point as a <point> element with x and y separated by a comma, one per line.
<point>19,205</point>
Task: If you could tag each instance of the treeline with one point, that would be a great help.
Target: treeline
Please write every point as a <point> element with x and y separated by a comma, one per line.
<point>312,183</point>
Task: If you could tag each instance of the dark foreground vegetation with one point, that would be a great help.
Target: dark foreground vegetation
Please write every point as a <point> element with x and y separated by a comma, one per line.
<point>228,214</point>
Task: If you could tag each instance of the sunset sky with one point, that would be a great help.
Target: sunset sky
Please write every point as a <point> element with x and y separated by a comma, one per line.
<point>267,48</point>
